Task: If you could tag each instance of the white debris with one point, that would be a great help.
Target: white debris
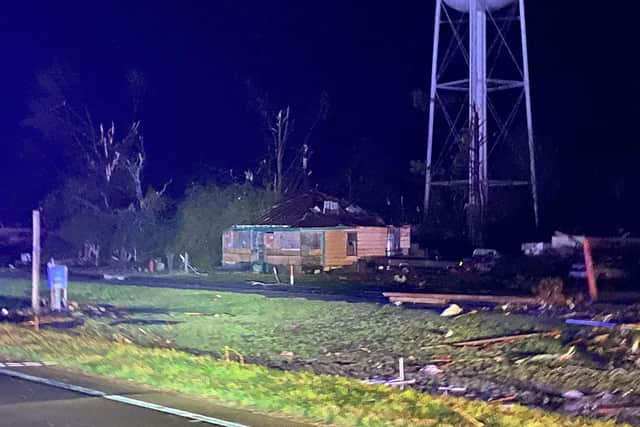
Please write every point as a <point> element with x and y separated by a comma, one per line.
<point>400,278</point>
<point>452,310</point>
<point>4,312</point>
<point>431,370</point>
<point>573,394</point>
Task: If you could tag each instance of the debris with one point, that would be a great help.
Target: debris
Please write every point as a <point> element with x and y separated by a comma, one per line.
<point>452,310</point>
<point>451,389</point>
<point>4,312</point>
<point>468,417</point>
<point>440,299</point>
<point>449,334</point>
<point>545,357</point>
<point>431,370</point>
<point>400,278</point>
<point>504,399</point>
<point>595,323</point>
<point>287,354</point>
<point>573,394</point>
<point>508,338</point>
<point>535,248</point>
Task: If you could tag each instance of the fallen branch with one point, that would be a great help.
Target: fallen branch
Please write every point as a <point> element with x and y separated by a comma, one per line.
<point>468,417</point>
<point>504,339</point>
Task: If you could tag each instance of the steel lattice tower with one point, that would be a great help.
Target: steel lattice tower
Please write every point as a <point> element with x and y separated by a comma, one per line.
<point>466,101</point>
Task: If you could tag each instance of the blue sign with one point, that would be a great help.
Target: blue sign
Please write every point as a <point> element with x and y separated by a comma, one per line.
<point>57,277</point>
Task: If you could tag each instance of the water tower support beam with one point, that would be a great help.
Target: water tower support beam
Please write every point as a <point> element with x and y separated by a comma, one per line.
<point>527,94</point>
<point>432,105</point>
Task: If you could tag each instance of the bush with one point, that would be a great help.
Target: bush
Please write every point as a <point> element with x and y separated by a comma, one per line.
<point>207,210</point>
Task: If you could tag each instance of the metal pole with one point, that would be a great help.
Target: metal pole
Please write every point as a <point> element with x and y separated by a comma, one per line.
<point>432,105</point>
<point>527,95</point>
<point>35,264</point>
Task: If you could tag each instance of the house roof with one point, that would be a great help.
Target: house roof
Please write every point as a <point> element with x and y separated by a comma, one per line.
<point>310,210</point>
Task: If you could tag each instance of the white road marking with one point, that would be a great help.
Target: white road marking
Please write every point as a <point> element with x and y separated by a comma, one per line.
<point>122,399</point>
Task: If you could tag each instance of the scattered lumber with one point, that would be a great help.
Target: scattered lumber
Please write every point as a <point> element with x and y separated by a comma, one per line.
<point>441,299</point>
<point>504,339</point>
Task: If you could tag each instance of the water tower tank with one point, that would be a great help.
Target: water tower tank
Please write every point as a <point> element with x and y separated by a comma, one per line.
<point>463,5</point>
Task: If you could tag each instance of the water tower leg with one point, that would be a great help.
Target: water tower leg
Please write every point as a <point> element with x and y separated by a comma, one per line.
<point>527,95</point>
<point>432,106</point>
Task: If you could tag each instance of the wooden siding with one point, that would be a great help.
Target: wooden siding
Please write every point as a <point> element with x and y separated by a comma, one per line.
<point>335,248</point>
<point>234,256</point>
<point>372,241</point>
<point>293,259</point>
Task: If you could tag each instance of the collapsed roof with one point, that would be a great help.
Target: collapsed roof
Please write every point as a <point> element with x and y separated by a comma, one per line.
<point>316,209</point>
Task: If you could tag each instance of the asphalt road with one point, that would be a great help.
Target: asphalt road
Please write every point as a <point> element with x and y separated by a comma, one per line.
<point>27,404</point>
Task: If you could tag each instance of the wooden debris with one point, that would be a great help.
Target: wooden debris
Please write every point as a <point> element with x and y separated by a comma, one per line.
<point>504,339</point>
<point>505,399</point>
<point>468,417</point>
<point>442,299</point>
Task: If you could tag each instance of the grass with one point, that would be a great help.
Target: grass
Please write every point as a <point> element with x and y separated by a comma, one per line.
<point>264,327</point>
<point>328,399</point>
<point>351,340</point>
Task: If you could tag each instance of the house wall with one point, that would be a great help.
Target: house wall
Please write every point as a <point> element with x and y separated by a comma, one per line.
<point>335,248</point>
<point>236,256</point>
<point>405,239</point>
<point>372,241</point>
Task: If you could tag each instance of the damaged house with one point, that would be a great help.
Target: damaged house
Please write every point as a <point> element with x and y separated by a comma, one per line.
<point>313,230</point>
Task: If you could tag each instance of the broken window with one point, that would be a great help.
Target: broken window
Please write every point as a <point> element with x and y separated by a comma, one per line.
<point>352,243</point>
<point>289,240</point>
<point>242,239</point>
<point>311,240</point>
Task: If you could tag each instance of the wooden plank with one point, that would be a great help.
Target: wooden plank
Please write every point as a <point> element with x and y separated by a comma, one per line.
<point>422,298</point>
<point>425,300</point>
<point>240,251</point>
<point>283,260</point>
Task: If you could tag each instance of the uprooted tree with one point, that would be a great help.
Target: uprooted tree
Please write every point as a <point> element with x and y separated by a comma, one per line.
<point>286,168</point>
<point>102,207</point>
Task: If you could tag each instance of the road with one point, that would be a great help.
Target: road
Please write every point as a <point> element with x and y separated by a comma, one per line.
<point>54,396</point>
<point>27,404</point>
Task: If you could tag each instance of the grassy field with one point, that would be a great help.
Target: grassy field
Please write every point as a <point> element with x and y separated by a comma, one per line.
<point>351,340</point>
<point>326,399</point>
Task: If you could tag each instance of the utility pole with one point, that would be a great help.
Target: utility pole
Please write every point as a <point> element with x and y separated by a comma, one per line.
<point>35,266</point>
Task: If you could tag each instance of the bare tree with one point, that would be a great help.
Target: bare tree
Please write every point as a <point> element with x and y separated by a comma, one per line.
<point>107,165</point>
<point>279,125</point>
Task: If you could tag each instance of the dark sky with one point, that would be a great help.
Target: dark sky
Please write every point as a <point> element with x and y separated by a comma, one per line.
<point>368,55</point>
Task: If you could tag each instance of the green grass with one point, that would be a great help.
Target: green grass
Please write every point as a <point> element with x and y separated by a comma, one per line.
<point>265,327</point>
<point>327,399</point>
<point>357,340</point>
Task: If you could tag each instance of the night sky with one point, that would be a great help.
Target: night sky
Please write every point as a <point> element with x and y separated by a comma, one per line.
<point>368,56</point>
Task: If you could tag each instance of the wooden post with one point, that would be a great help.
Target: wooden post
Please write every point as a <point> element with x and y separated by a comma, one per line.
<point>401,368</point>
<point>291,281</point>
<point>186,262</point>
<point>35,268</point>
<point>591,275</point>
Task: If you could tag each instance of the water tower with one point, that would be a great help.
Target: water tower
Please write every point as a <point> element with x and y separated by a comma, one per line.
<point>479,83</point>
